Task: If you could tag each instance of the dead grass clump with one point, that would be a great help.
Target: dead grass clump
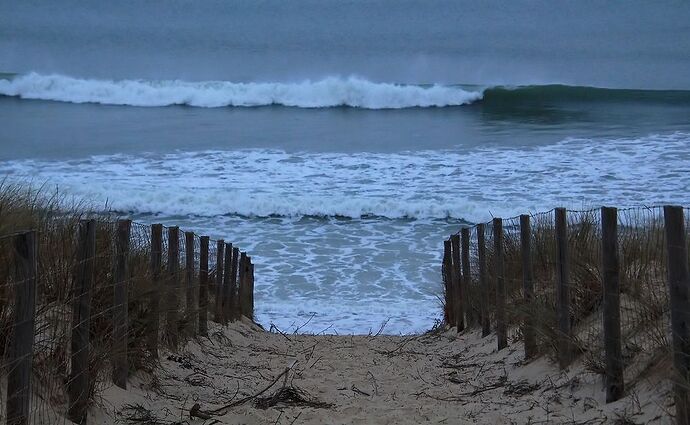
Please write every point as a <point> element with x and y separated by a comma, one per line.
<point>644,297</point>
<point>290,396</point>
<point>56,221</point>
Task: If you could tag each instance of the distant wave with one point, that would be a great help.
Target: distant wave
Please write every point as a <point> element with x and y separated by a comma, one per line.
<point>326,93</point>
<point>507,96</point>
<point>329,92</point>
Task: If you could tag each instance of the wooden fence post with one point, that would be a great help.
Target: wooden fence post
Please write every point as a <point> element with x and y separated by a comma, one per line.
<point>679,287</point>
<point>172,302</point>
<point>483,281</point>
<point>612,313</point>
<point>562,289</point>
<point>203,285</point>
<point>467,276</point>
<point>234,293</point>
<point>250,290</point>
<point>448,314</point>
<point>120,324</point>
<point>527,287</point>
<point>153,321</point>
<point>501,326</point>
<point>240,284</point>
<point>191,305</point>
<point>457,284</point>
<point>21,352</point>
<point>218,306</point>
<point>243,287</point>
<point>79,384</point>
<point>227,292</point>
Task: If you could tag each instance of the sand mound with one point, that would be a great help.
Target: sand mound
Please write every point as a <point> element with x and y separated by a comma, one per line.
<point>242,374</point>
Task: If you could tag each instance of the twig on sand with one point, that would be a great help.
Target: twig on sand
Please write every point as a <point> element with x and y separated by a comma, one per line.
<point>311,348</point>
<point>427,395</point>
<point>222,410</point>
<point>373,382</point>
<point>315,361</point>
<point>195,412</point>
<point>501,382</point>
<point>296,417</point>
<point>398,349</point>
<point>358,391</point>
<point>273,326</point>
<point>380,331</point>
<point>288,395</point>
<point>304,324</point>
<point>323,332</point>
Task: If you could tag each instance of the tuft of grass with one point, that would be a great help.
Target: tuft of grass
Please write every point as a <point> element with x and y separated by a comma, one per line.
<point>644,297</point>
<point>56,221</point>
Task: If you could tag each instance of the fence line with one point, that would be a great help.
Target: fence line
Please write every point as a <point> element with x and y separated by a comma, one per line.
<point>70,280</point>
<point>604,285</point>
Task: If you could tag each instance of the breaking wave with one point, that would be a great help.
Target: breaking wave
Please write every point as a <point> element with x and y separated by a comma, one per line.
<point>326,93</point>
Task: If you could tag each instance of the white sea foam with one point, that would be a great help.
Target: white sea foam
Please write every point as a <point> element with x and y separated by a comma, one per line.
<point>471,185</point>
<point>328,92</point>
<point>355,273</point>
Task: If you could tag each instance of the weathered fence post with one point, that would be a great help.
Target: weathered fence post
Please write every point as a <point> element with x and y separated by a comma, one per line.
<point>246,287</point>
<point>679,287</point>
<point>467,276</point>
<point>21,352</point>
<point>483,281</point>
<point>501,326</point>
<point>227,294</point>
<point>79,384</point>
<point>153,321</point>
<point>458,303</point>
<point>120,277</point>
<point>248,304</point>
<point>203,285</point>
<point>612,313</point>
<point>562,289</point>
<point>218,306</point>
<point>190,305</point>
<point>449,316</point>
<point>251,290</point>
<point>248,310</point>
<point>234,293</point>
<point>240,284</point>
<point>172,302</point>
<point>527,287</point>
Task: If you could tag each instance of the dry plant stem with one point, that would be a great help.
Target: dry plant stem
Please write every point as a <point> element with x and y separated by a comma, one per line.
<point>222,410</point>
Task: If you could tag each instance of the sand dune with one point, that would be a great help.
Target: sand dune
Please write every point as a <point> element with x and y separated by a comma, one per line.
<point>438,377</point>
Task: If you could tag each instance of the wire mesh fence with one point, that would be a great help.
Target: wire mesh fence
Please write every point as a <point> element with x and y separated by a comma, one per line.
<point>553,284</point>
<point>91,302</point>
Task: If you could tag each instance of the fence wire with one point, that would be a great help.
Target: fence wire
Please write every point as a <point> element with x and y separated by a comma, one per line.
<point>644,299</point>
<point>175,297</point>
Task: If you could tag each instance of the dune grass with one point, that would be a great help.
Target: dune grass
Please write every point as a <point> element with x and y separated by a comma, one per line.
<point>644,296</point>
<point>56,220</point>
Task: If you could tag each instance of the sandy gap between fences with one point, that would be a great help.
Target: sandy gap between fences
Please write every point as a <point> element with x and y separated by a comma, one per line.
<point>242,374</point>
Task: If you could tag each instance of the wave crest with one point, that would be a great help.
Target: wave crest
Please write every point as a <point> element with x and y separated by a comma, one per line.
<point>329,92</point>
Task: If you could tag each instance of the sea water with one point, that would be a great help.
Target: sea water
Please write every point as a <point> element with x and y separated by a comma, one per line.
<point>339,142</point>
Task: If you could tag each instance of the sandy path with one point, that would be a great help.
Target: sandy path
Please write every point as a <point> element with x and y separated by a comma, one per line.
<point>433,378</point>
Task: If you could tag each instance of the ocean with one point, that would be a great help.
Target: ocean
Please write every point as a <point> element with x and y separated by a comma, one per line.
<point>340,141</point>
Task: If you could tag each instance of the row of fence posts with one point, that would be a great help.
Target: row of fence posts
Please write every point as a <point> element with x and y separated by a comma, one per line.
<point>234,291</point>
<point>457,275</point>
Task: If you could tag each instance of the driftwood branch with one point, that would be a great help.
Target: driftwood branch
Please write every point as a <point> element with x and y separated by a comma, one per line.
<point>222,410</point>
